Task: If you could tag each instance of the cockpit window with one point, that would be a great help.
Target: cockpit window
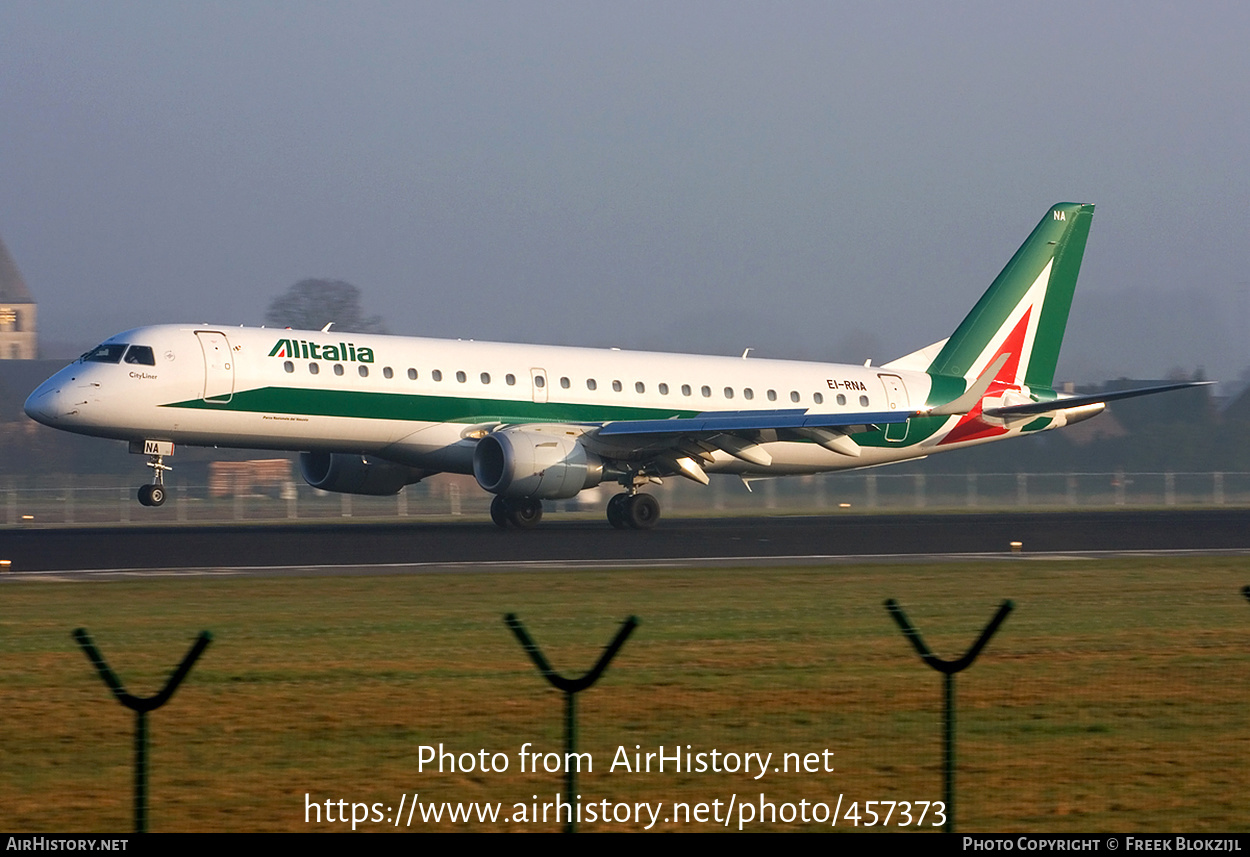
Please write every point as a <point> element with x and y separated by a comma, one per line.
<point>109,352</point>
<point>141,354</point>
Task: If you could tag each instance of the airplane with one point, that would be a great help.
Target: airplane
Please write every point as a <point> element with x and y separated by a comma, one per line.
<point>370,414</point>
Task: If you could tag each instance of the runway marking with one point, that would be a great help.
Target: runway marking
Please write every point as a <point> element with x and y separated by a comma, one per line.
<point>66,576</point>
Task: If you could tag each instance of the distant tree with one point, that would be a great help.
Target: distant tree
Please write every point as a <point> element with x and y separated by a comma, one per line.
<point>312,304</point>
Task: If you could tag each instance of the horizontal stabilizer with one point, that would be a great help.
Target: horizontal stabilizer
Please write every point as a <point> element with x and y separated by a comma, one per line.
<point>1034,408</point>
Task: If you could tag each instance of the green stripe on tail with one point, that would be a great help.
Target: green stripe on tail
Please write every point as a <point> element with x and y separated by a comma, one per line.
<point>1060,237</point>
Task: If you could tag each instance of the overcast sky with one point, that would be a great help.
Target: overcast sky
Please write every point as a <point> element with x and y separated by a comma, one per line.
<point>816,180</point>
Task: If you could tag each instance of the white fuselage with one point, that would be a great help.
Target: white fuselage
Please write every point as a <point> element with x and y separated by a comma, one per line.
<point>424,402</point>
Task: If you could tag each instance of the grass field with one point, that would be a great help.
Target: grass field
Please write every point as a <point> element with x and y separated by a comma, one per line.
<point>1113,698</point>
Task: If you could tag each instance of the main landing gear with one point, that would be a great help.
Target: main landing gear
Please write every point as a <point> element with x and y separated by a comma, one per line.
<point>636,511</point>
<point>627,510</point>
<point>521,512</point>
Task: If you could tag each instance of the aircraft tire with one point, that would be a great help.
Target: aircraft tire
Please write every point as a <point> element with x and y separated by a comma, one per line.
<point>144,495</point>
<point>156,495</point>
<point>499,512</point>
<point>617,515</point>
<point>642,511</point>
<point>525,513</point>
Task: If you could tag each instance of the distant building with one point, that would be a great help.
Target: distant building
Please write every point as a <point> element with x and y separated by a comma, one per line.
<point>17,312</point>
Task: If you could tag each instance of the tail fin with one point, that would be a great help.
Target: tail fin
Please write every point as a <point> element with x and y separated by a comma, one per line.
<point>1025,309</point>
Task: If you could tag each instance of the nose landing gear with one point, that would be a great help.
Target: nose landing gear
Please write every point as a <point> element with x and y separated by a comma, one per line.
<point>154,494</point>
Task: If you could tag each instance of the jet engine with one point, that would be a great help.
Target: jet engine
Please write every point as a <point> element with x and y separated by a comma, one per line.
<point>355,474</point>
<point>527,463</point>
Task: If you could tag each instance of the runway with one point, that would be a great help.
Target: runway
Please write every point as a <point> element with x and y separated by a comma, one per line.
<point>571,544</point>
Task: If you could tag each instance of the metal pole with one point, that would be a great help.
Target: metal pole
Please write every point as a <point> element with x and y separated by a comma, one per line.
<point>141,772</point>
<point>570,752</point>
<point>948,670</point>
<point>141,707</point>
<point>570,687</point>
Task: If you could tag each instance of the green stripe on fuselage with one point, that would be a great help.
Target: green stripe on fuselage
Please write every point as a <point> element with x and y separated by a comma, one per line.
<point>433,409</point>
<point>357,404</point>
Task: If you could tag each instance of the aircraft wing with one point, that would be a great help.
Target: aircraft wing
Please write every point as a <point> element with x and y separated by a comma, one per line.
<point>711,422</point>
<point>1093,399</point>
<point>677,443</point>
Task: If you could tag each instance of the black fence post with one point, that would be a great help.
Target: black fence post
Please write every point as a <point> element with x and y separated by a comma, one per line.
<point>141,707</point>
<point>948,670</point>
<point>570,687</point>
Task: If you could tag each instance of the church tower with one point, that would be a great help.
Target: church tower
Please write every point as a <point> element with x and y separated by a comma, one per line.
<point>17,312</point>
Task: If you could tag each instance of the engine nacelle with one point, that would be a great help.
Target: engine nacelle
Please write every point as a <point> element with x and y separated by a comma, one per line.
<point>526,463</point>
<point>355,474</point>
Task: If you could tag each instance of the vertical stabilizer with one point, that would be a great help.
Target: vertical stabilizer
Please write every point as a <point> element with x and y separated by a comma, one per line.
<point>1025,309</point>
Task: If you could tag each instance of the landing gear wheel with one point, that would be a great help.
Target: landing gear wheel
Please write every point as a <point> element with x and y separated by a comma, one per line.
<point>151,495</point>
<point>525,513</point>
<point>499,512</point>
<point>616,511</point>
<point>642,511</point>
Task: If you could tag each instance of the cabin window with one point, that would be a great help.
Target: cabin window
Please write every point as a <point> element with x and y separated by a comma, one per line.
<point>639,387</point>
<point>685,389</point>
<point>841,399</point>
<point>664,389</point>
<point>729,392</point>
<point>616,386</point>
<point>363,370</point>
<point>461,377</point>
<point>818,398</point>
<point>288,366</point>
<point>509,379</point>
<point>437,374</point>
<point>863,400</point>
<point>794,395</point>
<point>748,393</point>
<point>485,377</point>
<point>388,372</point>
<point>706,391</point>
<point>565,383</point>
<point>313,368</point>
<point>106,353</point>
<point>772,395</point>
<point>140,355</point>
<point>540,381</point>
<point>338,368</point>
<point>412,374</point>
<point>591,384</point>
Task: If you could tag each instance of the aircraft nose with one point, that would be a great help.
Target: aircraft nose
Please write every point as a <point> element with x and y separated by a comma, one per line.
<point>46,404</point>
